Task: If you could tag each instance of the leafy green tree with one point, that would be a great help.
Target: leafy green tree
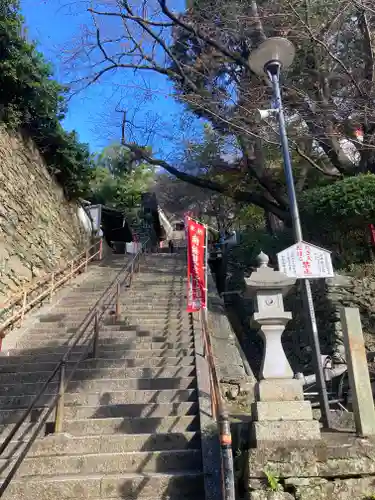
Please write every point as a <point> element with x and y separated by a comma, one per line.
<point>33,103</point>
<point>119,180</point>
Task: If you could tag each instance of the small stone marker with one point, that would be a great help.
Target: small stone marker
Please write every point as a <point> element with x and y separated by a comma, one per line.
<point>359,379</point>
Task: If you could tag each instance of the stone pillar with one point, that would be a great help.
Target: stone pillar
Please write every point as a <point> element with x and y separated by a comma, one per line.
<point>359,379</point>
<point>280,413</point>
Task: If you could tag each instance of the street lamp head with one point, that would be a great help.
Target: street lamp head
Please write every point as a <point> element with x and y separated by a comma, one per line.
<point>272,55</point>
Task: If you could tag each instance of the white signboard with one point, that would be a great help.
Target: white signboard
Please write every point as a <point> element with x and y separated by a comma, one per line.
<point>96,215</point>
<point>304,260</point>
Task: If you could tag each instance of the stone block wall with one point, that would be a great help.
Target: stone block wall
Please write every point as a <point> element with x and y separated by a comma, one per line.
<point>329,297</point>
<point>39,228</point>
<point>341,467</point>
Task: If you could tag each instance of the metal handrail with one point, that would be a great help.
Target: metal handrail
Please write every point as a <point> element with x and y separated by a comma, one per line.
<point>112,292</point>
<point>220,414</point>
<point>53,286</point>
<point>40,281</point>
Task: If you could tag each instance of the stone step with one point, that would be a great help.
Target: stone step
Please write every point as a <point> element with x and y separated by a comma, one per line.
<point>149,317</point>
<point>97,364</point>
<point>146,328</point>
<point>157,313</point>
<point>108,463</point>
<point>133,410</point>
<point>71,314</point>
<point>139,354</point>
<point>172,298</point>
<point>126,318</point>
<point>9,404</point>
<point>106,352</point>
<point>128,295</point>
<point>150,414</point>
<point>140,329</point>
<point>66,444</point>
<point>136,298</point>
<point>109,342</point>
<point>119,336</point>
<point>138,306</point>
<point>152,326</point>
<point>100,385</point>
<point>104,373</point>
<point>150,425</point>
<point>174,486</point>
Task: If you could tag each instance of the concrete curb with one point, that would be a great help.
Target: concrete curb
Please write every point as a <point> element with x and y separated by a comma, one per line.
<point>231,362</point>
<point>208,427</point>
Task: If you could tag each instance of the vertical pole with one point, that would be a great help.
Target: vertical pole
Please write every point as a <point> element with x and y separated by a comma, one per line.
<point>206,272</point>
<point>96,336</point>
<point>139,260</point>
<point>71,269</point>
<point>227,458</point>
<point>117,311</point>
<point>297,230</point>
<point>131,273</point>
<point>286,158</point>
<point>23,306</point>
<point>86,260</point>
<point>101,249</point>
<point>52,286</point>
<point>59,416</point>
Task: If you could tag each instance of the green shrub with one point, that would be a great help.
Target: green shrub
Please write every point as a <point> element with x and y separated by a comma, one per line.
<point>346,203</point>
<point>335,216</point>
<point>32,102</point>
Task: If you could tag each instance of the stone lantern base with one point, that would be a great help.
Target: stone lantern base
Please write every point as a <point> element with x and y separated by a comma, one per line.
<point>280,413</point>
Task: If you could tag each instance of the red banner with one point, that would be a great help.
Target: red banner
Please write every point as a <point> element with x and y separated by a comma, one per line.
<point>196,241</point>
<point>372,234</point>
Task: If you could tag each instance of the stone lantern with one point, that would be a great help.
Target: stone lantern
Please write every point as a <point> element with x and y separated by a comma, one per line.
<point>280,412</point>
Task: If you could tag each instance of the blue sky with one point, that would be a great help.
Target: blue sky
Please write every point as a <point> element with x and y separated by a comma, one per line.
<point>54,26</point>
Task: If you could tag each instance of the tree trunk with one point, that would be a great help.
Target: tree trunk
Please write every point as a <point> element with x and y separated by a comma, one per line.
<point>273,223</point>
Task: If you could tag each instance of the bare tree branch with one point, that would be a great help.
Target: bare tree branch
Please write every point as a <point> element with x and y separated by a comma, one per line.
<point>131,18</point>
<point>327,49</point>
<point>237,195</point>
<point>236,57</point>
<point>315,165</point>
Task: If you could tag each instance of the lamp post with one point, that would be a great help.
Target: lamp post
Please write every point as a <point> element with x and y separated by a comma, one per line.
<point>268,60</point>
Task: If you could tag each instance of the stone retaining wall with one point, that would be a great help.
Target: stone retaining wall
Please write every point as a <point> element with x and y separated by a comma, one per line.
<point>39,229</point>
<point>341,467</point>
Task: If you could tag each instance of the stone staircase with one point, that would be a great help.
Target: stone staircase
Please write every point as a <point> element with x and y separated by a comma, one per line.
<point>131,425</point>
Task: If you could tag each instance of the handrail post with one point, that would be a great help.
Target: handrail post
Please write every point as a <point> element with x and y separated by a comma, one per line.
<point>23,306</point>
<point>117,310</point>
<point>95,344</point>
<point>52,285</point>
<point>131,273</point>
<point>227,458</point>
<point>59,415</point>
<point>138,263</point>
<point>101,249</point>
<point>86,260</point>
<point>71,269</point>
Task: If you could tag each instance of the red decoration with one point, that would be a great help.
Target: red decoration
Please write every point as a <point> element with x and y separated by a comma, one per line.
<point>196,272</point>
<point>372,234</point>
